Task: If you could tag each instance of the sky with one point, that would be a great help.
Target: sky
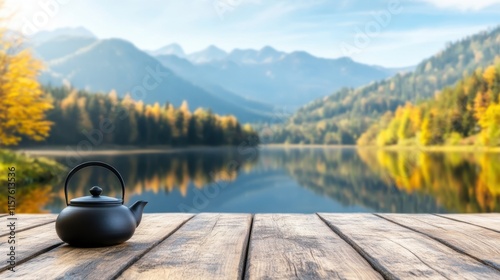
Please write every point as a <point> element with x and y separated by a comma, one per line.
<point>390,33</point>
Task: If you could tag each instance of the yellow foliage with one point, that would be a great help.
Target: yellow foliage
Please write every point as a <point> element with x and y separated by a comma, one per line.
<point>425,133</point>
<point>113,97</point>
<point>127,101</point>
<point>139,107</point>
<point>184,108</point>
<point>490,125</point>
<point>441,176</point>
<point>155,111</point>
<point>69,101</point>
<point>480,103</point>
<point>490,74</point>
<point>23,106</point>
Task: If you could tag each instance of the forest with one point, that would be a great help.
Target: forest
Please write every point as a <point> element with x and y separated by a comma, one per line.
<point>466,114</point>
<point>32,114</point>
<point>342,117</point>
<point>107,119</point>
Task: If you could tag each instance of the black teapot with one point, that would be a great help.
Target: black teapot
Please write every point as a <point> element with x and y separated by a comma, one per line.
<point>96,221</point>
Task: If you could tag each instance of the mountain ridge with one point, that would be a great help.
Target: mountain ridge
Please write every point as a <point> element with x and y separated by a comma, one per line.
<point>250,80</point>
<point>340,118</point>
<point>116,64</point>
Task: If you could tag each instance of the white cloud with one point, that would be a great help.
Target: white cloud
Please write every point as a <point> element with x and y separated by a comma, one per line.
<point>464,5</point>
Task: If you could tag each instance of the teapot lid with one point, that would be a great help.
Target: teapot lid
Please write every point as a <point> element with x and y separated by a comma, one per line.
<point>95,199</point>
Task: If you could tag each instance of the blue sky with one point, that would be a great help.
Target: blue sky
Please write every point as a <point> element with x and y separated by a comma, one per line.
<point>410,30</point>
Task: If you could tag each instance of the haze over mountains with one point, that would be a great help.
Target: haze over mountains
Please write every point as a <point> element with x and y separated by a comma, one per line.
<point>343,116</point>
<point>244,82</point>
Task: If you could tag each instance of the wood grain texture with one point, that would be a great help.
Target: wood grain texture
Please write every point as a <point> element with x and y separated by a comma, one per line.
<point>30,243</point>
<point>474,241</point>
<point>27,221</point>
<point>398,252</point>
<point>209,246</point>
<point>298,246</point>
<point>489,221</point>
<point>66,262</point>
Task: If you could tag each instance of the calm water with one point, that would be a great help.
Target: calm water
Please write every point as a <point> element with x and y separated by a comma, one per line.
<point>293,180</point>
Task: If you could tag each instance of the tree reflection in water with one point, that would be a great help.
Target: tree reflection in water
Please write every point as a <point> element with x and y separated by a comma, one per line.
<point>378,180</point>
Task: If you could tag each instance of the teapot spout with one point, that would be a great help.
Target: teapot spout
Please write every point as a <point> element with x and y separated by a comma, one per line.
<point>137,209</point>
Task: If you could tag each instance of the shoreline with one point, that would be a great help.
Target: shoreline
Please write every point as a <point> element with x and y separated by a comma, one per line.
<point>133,150</point>
<point>393,148</point>
<point>110,150</point>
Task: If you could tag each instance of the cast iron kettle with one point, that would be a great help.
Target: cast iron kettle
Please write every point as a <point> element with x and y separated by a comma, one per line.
<point>96,220</point>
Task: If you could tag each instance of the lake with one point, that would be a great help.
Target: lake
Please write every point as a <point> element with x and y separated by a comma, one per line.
<point>288,180</point>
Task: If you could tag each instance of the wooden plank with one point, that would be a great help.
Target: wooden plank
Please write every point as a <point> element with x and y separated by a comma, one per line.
<point>488,221</point>
<point>398,252</point>
<point>298,246</point>
<point>209,246</point>
<point>477,242</point>
<point>31,243</point>
<point>27,221</point>
<point>100,263</point>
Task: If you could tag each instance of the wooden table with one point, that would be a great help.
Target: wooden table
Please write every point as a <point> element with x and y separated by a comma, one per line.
<point>268,246</point>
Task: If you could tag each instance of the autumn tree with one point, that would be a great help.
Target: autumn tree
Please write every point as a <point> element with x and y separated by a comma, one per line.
<point>490,125</point>
<point>480,104</point>
<point>23,104</point>
<point>490,75</point>
<point>425,137</point>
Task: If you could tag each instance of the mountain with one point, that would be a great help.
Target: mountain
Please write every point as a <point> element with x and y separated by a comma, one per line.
<point>46,35</point>
<point>249,56</point>
<point>172,49</point>
<point>344,115</point>
<point>189,71</point>
<point>274,77</point>
<point>246,80</point>
<point>62,46</point>
<point>104,65</point>
<point>211,53</point>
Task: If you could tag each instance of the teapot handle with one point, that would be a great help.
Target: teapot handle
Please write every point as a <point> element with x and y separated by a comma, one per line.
<point>93,163</point>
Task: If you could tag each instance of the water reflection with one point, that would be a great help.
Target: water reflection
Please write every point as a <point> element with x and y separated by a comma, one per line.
<point>289,180</point>
<point>345,176</point>
<point>457,181</point>
<point>159,173</point>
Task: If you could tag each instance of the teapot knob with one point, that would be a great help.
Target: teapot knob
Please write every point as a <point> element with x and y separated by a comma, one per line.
<point>95,191</point>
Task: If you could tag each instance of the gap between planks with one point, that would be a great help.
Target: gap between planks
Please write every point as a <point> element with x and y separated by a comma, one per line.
<point>244,260</point>
<point>301,246</point>
<point>400,252</point>
<point>372,261</point>
<point>209,246</point>
<point>247,249</point>
<point>67,262</point>
<point>475,223</point>
<point>38,219</point>
<point>456,247</point>
<point>120,272</point>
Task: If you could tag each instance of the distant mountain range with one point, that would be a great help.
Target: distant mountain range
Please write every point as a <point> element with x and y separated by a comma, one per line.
<point>247,83</point>
<point>104,65</point>
<point>268,75</point>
